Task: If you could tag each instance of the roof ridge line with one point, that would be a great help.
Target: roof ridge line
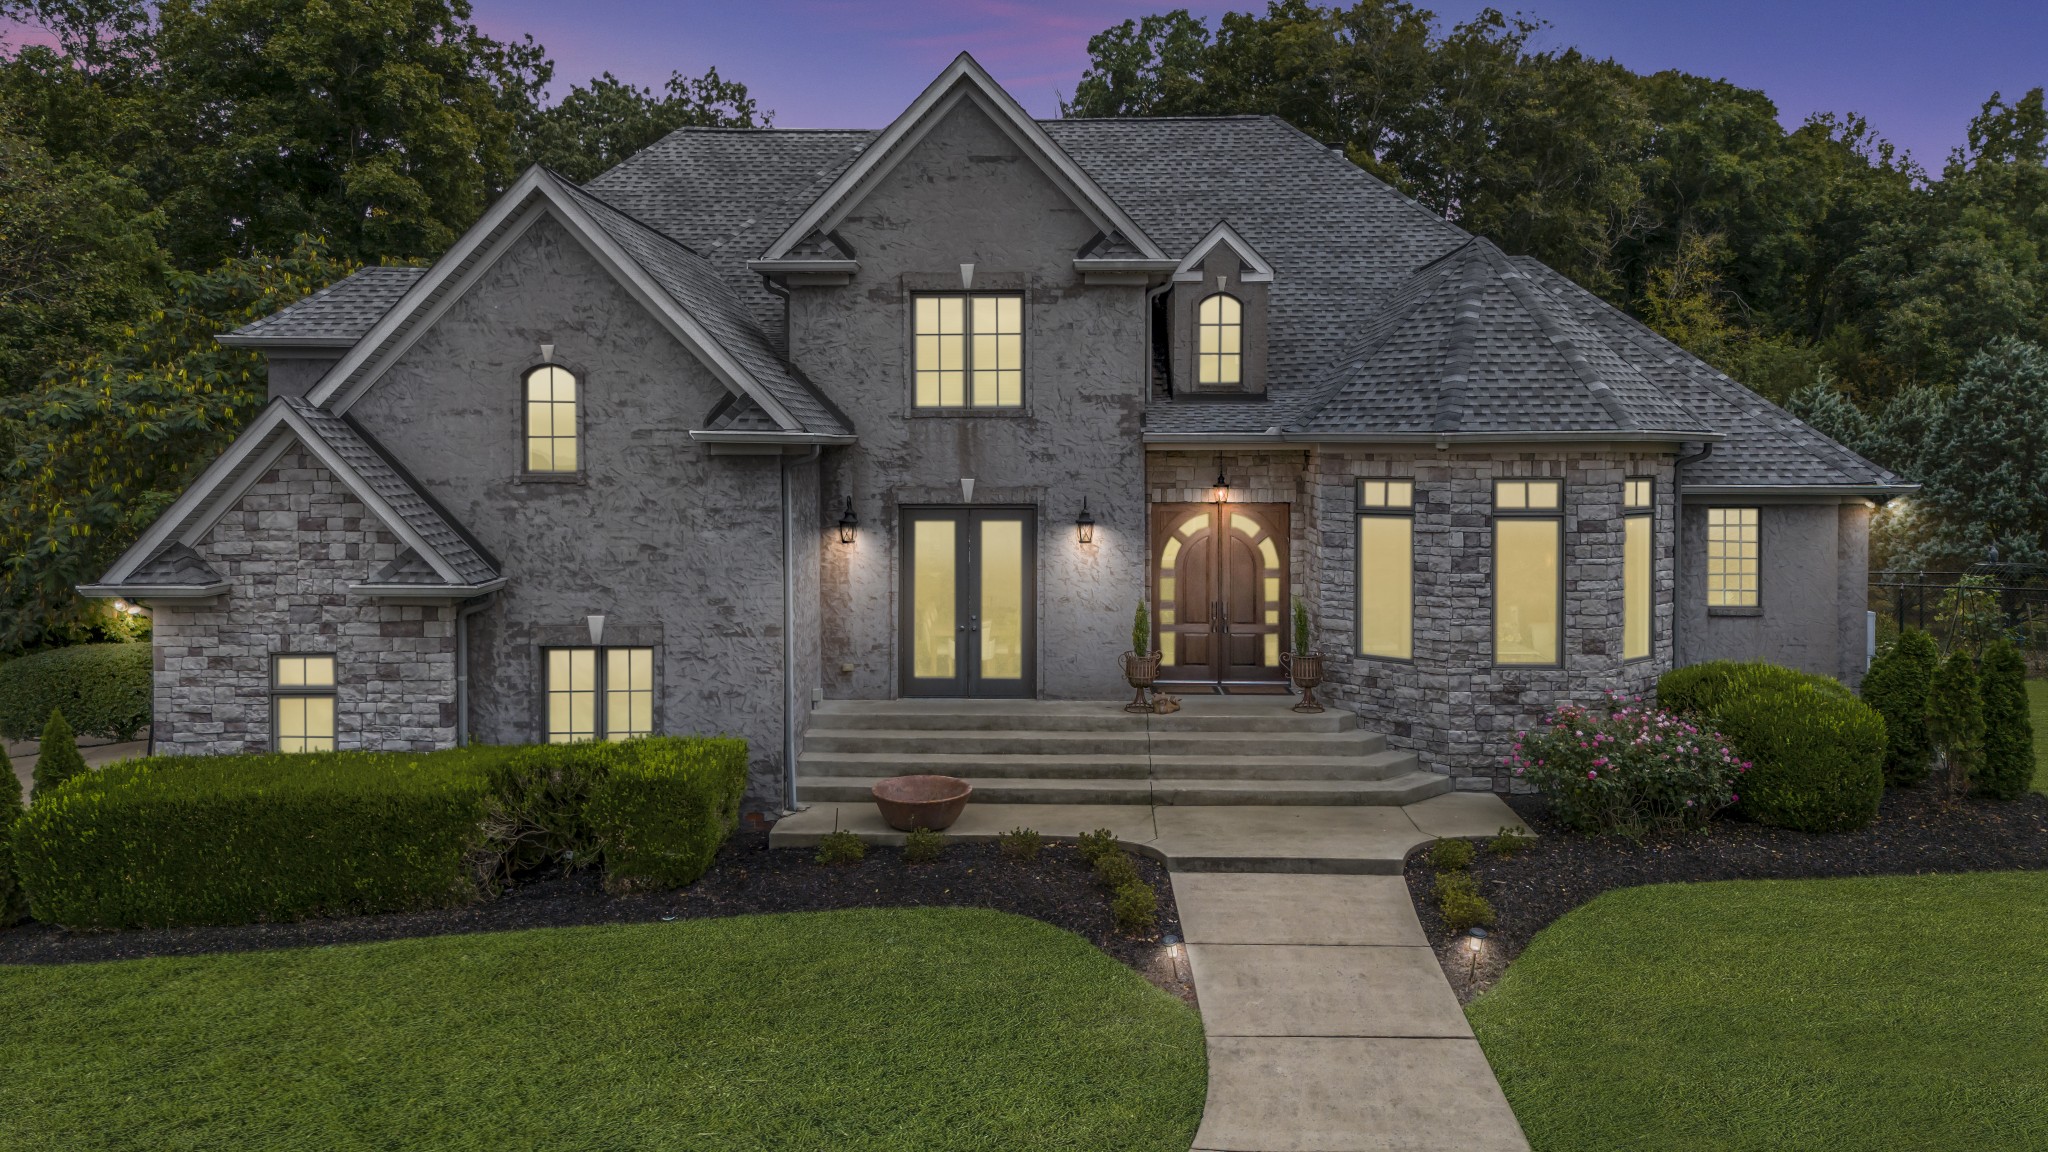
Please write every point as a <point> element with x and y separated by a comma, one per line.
<point>573,186</point>
<point>1453,387</point>
<point>1330,380</point>
<point>1574,356</point>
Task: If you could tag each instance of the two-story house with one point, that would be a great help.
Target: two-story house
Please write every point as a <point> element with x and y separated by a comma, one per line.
<point>765,417</point>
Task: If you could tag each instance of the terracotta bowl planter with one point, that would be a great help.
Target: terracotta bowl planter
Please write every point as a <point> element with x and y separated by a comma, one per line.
<point>932,802</point>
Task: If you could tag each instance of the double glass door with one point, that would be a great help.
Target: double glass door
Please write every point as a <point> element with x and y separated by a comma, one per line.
<point>1219,591</point>
<point>969,597</point>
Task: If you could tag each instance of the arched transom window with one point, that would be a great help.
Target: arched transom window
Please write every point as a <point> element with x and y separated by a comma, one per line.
<point>1219,332</point>
<point>551,420</point>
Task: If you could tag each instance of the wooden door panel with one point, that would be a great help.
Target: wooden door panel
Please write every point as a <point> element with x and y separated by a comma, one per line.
<point>1219,576</point>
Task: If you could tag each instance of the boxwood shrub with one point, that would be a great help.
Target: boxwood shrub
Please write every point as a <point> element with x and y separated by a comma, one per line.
<point>662,806</point>
<point>103,689</point>
<point>1816,751</point>
<point>172,840</point>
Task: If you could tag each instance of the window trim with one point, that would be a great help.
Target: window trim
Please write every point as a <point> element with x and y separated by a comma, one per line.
<point>579,474</point>
<point>1361,510</point>
<point>280,692</point>
<point>1647,512</point>
<point>600,690</point>
<point>1197,383</point>
<point>1556,517</point>
<point>1707,558</point>
<point>968,407</point>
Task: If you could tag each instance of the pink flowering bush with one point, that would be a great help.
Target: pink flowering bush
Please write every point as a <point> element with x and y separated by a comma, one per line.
<point>1628,768</point>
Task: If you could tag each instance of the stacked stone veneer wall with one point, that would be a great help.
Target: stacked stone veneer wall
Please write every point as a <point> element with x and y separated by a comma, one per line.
<point>1451,703</point>
<point>290,549</point>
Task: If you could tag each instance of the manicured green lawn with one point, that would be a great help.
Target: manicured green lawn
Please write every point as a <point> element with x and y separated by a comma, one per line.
<point>2037,711</point>
<point>902,1029</point>
<point>1894,1013</point>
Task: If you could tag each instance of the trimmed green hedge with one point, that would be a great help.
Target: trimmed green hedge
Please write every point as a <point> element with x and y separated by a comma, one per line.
<point>1896,686</point>
<point>664,806</point>
<point>175,840</point>
<point>104,690</point>
<point>1816,752</point>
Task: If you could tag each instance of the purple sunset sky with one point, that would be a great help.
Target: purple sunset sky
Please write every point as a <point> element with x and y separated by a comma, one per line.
<point>1918,71</point>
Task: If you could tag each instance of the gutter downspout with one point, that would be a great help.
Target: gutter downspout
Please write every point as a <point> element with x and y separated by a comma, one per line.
<point>789,628</point>
<point>469,608</point>
<point>1678,535</point>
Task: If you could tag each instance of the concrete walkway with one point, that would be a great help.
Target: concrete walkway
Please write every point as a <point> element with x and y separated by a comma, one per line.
<point>1330,1025</point>
<point>21,756</point>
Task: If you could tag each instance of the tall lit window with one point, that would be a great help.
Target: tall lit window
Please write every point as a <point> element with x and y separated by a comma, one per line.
<point>1732,540</point>
<point>1635,569</point>
<point>550,420</point>
<point>302,703</point>
<point>969,351</point>
<point>1219,340</point>
<point>593,692</point>
<point>1386,569</point>
<point>1528,571</point>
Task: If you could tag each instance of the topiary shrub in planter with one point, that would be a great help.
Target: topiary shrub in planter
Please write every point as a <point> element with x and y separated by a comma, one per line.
<point>2008,769</point>
<point>169,840</point>
<point>1631,770</point>
<point>662,806</point>
<point>1896,686</point>
<point>104,690</point>
<point>1815,752</point>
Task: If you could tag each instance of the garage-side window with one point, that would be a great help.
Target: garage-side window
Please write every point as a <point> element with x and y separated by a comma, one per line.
<point>302,692</point>
<point>1732,557</point>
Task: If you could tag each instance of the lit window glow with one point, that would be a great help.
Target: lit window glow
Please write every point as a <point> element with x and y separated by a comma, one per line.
<point>1732,552</point>
<point>1219,334</point>
<point>302,706</point>
<point>968,351</point>
<point>550,420</point>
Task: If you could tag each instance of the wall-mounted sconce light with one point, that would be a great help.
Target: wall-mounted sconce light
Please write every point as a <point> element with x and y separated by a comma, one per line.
<point>1084,524</point>
<point>848,523</point>
<point>1221,493</point>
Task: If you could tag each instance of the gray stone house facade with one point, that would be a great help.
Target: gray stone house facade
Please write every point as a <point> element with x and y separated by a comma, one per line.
<point>761,418</point>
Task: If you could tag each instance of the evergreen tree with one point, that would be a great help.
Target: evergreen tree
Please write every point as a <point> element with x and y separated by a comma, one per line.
<point>58,759</point>
<point>1896,686</point>
<point>1955,723</point>
<point>2008,732</point>
<point>13,902</point>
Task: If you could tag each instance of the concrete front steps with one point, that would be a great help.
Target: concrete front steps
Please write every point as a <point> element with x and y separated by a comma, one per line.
<point>1216,750</point>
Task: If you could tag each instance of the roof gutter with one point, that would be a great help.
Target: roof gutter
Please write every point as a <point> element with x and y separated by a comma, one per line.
<point>437,592</point>
<point>152,591</point>
<point>1276,436</point>
<point>333,343</point>
<point>1875,491</point>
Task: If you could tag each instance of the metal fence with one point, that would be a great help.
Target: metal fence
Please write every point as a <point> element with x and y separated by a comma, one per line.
<point>1912,598</point>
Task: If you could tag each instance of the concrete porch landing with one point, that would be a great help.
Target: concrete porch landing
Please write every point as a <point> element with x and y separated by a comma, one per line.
<point>1345,839</point>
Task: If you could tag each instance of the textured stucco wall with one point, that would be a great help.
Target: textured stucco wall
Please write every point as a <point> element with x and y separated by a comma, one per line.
<point>1451,704</point>
<point>1813,562</point>
<point>673,546</point>
<point>290,549</point>
<point>293,373</point>
<point>966,194</point>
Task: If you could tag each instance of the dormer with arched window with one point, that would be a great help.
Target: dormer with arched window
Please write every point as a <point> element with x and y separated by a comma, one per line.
<point>1218,311</point>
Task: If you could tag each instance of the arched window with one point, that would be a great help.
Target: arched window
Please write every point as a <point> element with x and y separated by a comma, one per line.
<point>551,420</point>
<point>1219,333</point>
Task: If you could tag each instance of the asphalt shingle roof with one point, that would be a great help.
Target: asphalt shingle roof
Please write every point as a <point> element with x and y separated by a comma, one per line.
<point>390,485</point>
<point>339,314</point>
<point>175,564</point>
<point>1383,316</point>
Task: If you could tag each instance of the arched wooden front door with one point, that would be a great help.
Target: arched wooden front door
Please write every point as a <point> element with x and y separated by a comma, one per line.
<point>1219,591</point>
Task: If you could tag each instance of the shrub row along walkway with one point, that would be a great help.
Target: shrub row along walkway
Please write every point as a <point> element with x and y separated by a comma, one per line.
<point>1330,1025</point>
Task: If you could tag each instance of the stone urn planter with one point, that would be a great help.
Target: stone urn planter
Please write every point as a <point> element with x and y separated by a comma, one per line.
<point>1306,670</point>
<point>910,802</point>
<point>1142,672</point>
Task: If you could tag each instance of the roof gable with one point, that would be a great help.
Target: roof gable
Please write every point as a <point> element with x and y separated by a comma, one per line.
<point>963,79</point>
<point>672,282</point>
<point>167,547</point>
<point>1256,269</point>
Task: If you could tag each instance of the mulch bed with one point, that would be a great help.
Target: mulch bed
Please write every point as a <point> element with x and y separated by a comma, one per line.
<point>747,877</point>
<point>1912,834</point>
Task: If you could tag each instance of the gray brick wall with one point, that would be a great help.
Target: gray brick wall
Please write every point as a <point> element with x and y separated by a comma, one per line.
<point>289,549</point>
